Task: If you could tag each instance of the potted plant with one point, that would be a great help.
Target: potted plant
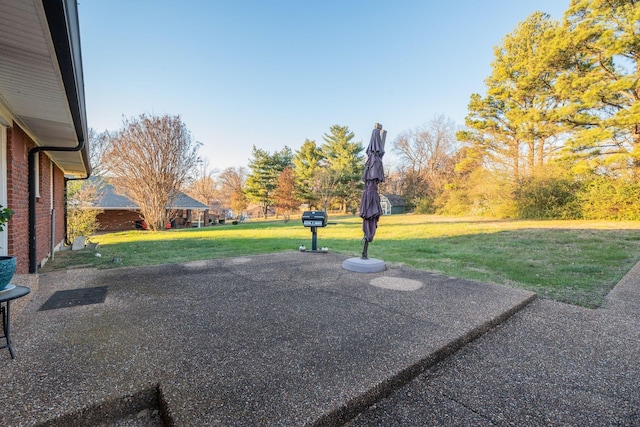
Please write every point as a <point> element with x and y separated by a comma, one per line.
<point>7,263</point>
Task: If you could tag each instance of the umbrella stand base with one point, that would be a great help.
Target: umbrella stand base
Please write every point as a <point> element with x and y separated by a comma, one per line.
<point>364,265</point>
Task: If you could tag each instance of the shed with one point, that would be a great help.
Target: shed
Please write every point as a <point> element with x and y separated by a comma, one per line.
<point>392,204</point>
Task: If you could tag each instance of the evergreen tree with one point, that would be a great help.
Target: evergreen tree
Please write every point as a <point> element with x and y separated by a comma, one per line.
<point>307,161</point>
<point>598,51</point>
<point>345,161</point>
<point>513,126</point>
<point>263,178</point>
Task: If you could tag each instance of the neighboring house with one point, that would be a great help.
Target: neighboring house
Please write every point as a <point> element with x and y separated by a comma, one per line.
<point>392,204</point>
<point>120,213</point>
<point>43,126</point>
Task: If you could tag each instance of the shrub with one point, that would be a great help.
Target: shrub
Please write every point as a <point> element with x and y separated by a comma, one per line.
<point>424,206</point>
<point>454,202</point>
<point>539,197</point>
<point>481,194</point>
<point>611,199</point>
<point>81,216</point>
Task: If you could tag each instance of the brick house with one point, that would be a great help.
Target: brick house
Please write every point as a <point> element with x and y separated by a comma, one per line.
<point>119,213</point>
<point>43,126</point>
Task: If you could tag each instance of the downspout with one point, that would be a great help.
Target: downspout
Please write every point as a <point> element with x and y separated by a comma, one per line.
<point>33,262</point>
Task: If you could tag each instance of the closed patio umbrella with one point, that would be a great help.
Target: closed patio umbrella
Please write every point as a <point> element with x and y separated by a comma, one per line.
<point>370,209</point>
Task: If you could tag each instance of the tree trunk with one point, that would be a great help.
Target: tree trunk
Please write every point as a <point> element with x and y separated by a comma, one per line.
<point>636,147</point>
<point>540,149</point>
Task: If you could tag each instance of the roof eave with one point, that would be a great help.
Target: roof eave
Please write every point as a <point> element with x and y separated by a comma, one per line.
<point>64,27</point>
<point>41,79</point>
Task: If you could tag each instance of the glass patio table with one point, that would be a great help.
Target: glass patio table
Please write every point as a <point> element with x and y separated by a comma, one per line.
<point>7,295</point>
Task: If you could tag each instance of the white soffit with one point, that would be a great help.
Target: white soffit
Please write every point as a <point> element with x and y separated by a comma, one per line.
<point>31,86</point>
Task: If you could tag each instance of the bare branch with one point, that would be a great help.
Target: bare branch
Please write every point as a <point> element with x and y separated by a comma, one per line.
<point>150,160</point>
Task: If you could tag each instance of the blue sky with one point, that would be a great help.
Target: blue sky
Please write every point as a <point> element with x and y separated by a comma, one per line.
<point>272,73</point>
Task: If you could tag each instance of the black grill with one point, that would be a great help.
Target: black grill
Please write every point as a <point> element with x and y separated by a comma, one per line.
<point>314,219</point>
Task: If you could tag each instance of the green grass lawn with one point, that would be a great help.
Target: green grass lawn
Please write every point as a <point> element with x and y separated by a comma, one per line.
<point>577,262</point>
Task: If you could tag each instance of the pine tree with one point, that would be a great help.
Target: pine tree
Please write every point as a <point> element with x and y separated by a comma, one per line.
<point>513,126</point>
<point>598,52</point>
<point>307,161</point>
<point>345,161</point>
<point>263,178</point>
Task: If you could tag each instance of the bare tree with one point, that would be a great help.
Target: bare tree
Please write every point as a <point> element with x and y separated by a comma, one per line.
<point>98,145</point>
<point>203,188</point>
<point>82,218</point>
<point>285,194</point>
<point>427,155</point>
<point>231,189</point>
<point>326,183</point>
<point>150,159</point>
<point>393,181</point>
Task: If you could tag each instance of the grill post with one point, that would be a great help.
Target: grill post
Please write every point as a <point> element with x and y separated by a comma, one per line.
<point>314,238</point>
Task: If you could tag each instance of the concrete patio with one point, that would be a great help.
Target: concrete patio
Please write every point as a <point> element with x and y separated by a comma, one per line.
<point>293,339</point>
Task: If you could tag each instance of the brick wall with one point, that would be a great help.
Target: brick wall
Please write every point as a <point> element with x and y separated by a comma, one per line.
<point>43,209</point>
<point>18,146</point>
<point>59,204</point>
<point>117,220</point>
